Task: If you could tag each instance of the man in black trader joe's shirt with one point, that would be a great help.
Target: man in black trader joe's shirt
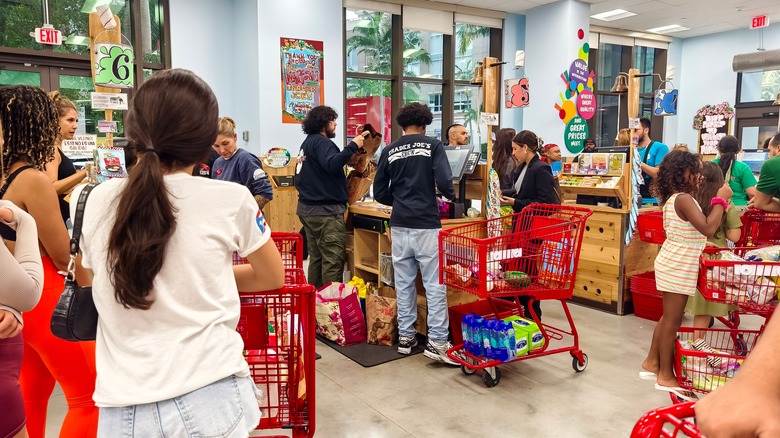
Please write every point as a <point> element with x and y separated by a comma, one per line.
<point>409,171</point>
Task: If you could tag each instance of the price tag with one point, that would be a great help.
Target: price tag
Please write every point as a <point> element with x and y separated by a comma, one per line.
<point>633,123</point>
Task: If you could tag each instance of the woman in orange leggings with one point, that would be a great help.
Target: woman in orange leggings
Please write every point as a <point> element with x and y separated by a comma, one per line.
<point>31,124</point>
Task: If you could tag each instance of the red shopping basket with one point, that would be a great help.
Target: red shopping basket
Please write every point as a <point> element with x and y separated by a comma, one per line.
<point>760,228</point>
<point>651,227</point>
<point>648,301</point>
<point>703,372</point>
<point>290,246</point>
<point>534,252</point>
<point>747,284</point>
<point>278,330</point>
<point>667,422</point>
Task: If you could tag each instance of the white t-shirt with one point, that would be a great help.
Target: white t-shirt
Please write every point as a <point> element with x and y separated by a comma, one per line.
<point>187,339</point>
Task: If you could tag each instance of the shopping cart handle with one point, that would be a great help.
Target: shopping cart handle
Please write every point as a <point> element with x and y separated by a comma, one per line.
<point>651,425</point>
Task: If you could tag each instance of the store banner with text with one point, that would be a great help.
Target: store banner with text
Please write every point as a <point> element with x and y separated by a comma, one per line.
<point>302,78</point>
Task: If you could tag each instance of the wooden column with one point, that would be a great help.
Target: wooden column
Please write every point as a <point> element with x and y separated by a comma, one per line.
<point>490,79</point>
<point>106,36</point>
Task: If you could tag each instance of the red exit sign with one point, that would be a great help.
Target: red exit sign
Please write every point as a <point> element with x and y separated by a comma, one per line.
<point>760,21</point>
<point>48,35</point>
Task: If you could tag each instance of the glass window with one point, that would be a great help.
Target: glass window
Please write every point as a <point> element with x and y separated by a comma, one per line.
<point>151,31</point>
<point>78,89</point>
<point>471,43</point>
<point>418,47</point>
<point>13,77</point>
<point>759,86</point>
<point>17,20</point>
<point>467,101</point>
<point>610,63</point>
<point>607,119</point>
<point>369,41</point>
<point>368,101</point>
<point>644,60</point>
<point>423,93</point>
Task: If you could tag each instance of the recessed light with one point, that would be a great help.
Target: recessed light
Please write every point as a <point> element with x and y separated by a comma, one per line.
<point>615,14</point>
<point>668,29</point>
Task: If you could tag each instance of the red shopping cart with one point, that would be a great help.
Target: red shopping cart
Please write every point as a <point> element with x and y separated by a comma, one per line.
<point>531,254</point>
<point>278,331</point>
<point>290,246</point>
<point>760,228</point>
<point>668,422</point>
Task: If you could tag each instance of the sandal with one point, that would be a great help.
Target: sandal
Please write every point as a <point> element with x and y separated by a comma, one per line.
<point>648,375</point>
<point>682,394</point>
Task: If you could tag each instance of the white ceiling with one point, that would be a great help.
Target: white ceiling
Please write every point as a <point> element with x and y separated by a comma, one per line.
<point>701,16</point>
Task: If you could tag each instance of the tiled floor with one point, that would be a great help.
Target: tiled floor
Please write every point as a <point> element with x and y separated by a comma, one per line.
<point>543,397</point>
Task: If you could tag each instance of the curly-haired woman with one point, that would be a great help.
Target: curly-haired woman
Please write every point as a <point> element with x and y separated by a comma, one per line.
<point>61,170</point>
<point>30,126</point>
<point>677,263</point>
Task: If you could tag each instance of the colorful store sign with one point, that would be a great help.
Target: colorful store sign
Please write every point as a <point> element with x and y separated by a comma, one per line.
<point>302,78</point>
<point>277,157</point>
<point>575,134</point>
<point>578,103</point>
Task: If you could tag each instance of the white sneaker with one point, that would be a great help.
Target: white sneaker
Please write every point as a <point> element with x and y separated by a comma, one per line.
<point>438,352</point>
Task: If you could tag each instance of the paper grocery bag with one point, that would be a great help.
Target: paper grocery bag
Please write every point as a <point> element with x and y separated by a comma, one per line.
<point>382,317</point>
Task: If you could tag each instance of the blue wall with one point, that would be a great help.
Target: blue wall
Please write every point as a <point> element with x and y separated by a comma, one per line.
<point>551,46</point>
<point>234,46</point>
<point>706,76</point>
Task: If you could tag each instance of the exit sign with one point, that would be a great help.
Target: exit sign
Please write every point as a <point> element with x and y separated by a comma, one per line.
<point>48,35</point>
<point>758,22</point>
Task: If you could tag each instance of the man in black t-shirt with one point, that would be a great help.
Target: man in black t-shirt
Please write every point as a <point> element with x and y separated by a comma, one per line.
<point>409,171</point>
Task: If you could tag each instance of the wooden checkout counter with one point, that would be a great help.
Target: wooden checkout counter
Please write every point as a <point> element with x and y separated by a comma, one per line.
<point>606,263</point>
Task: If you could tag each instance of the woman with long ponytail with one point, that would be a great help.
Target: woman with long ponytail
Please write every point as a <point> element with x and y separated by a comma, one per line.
<point>160,245</point>
<point>738,174</point>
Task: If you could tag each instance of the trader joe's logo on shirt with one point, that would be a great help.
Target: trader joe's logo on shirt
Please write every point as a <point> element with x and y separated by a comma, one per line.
<point>260,219</point>
<point>218,172</point>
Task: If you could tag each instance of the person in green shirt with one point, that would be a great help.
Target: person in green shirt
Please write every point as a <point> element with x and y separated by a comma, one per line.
<point>740,177</point>
<point>730,228</point>
<point>769,181</point>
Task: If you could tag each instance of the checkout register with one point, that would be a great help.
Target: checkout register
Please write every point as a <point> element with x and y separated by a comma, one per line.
<point>463,161</point>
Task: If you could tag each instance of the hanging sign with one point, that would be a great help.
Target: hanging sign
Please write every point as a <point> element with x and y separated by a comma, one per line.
<point>106,126</point>
<point>110,101</point>
<point>665,102</point>
<point>113,65</point>
<point>490,119</point>
<point>81,146</point>
<point>48,35</point>
<point>516,93</point>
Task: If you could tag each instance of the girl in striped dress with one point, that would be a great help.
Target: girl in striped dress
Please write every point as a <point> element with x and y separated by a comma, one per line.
<point>677,263</point>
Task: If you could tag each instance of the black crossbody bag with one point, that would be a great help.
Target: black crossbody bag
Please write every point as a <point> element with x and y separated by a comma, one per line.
<point>75,317</point>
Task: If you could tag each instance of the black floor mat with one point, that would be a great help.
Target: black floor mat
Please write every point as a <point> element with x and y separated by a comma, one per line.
<point>369,355</point>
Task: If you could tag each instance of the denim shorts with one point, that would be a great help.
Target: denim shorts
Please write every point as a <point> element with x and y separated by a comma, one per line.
<point>225,408</point>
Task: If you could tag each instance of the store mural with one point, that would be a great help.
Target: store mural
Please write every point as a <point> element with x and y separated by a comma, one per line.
<point>578,103</point>
<point>516,93</point>
<point>302,78</point>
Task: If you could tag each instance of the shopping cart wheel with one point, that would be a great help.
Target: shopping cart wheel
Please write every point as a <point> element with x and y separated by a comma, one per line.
<point>579,367</point>
<point>466,370</point>
<point>742,349</point>
<point>712,322</point>
<point>489,380</point>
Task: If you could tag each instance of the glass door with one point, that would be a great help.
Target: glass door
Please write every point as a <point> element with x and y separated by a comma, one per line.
<point>24,74</point>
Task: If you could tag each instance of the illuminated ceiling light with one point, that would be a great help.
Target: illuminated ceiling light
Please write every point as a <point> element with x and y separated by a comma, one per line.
<point>668,29</point>
<point>77,40</point>
<point>615,14</point>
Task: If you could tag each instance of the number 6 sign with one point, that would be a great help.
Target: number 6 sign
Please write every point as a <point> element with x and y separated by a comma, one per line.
<point>113,65</point>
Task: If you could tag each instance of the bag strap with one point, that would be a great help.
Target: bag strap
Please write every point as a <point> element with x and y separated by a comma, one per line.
<point>77,220</point>
<point>728,172</point>
<point>10,179</point>
<point>647,151</point>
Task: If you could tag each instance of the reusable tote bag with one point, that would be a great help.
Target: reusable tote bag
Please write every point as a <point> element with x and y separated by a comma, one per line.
<point>339,317</point>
